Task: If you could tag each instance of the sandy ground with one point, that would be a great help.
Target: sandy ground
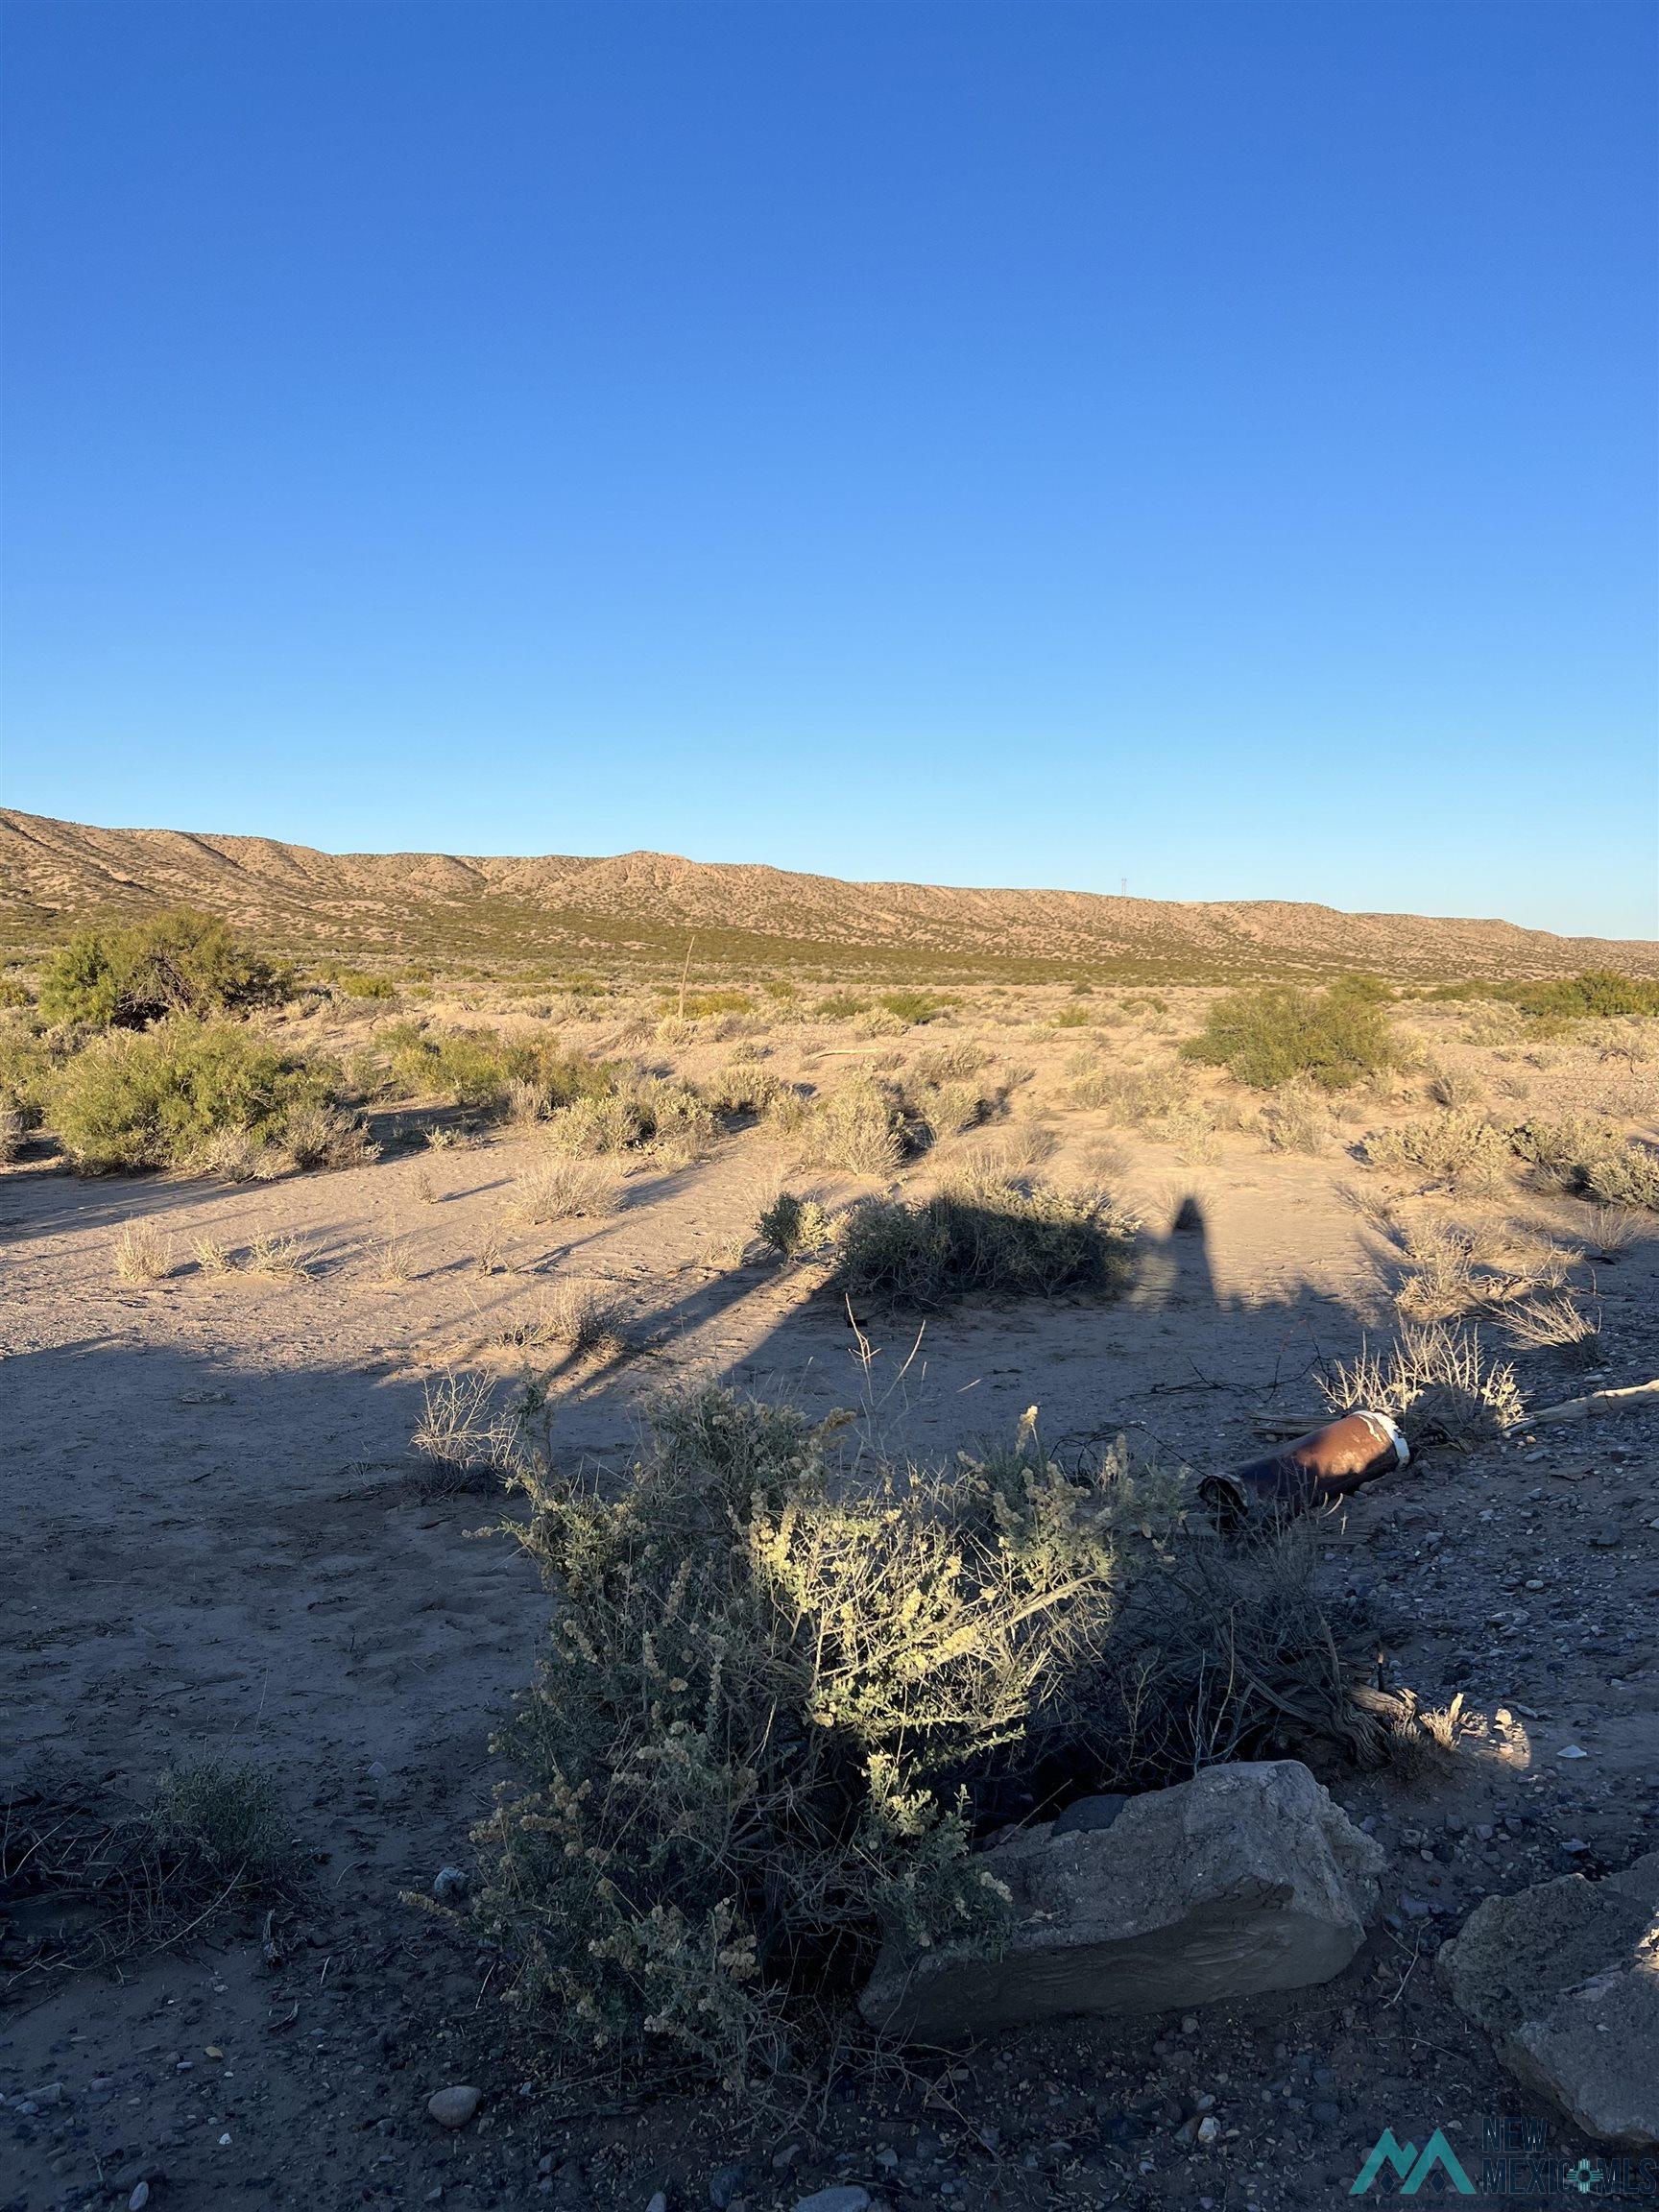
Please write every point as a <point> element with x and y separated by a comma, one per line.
<point>217,1541</point>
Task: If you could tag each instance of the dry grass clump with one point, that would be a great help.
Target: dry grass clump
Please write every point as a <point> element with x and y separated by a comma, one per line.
<point>13,1130</point>
<point>215,1840</point>
<point>1459,1149</point>
<point>282,1259</point>
<point>212,1256</point>
<point>459,1436</point>
<point>579,1319</point>
<point>1437,1383</point>
<point>1557,1324</point>
<point>142,1253</point>
<point>977,1234</point>
<point>562,1189</point>
<point>314,1136</point>
<point>1592,1161</point>
<point>796,1228</point>
<point>773,1708</point>
<point>743,1088</point>
<point>1133,1097</point>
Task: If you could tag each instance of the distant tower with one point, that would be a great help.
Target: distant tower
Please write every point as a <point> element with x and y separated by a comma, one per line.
<point>1123,886</point>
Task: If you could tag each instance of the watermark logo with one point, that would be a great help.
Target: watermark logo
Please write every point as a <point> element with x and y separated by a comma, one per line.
<point>1412,2167</point>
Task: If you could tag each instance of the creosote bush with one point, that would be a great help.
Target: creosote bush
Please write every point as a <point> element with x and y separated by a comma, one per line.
<point>180,962</point>
<point>978,1233</point>
<point>776,1704</point>
<point>172,1095</point>
<point>529,1077</point>
<point>1331,1038</point>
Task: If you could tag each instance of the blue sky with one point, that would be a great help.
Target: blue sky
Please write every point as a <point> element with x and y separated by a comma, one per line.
<point>1210,446</point>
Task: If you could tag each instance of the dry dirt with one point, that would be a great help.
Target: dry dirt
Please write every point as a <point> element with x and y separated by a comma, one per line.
<point>219,1541</point>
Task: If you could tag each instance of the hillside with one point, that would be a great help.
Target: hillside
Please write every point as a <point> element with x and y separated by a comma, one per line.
<point>55,875</point>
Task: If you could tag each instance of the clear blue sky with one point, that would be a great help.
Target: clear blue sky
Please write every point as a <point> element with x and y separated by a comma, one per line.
<point>1016,444</point>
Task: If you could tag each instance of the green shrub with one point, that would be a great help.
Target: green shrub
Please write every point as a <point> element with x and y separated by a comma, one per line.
<point>27,1068</point>
<point>699,1006</point>
<point>1592,1161</point>
<point>839,1006</point>
<point>796,1228</point>
<point>358,983</point>
<point>773,1707</point>
<point>180,962</point>
<point>983,1235</point>
<point>914,1006</point>
<point>480,1069</point>
<point>1267,1037</point>
<point>14,993</point>
<point>160,1098</point>
<point>655,1113</point>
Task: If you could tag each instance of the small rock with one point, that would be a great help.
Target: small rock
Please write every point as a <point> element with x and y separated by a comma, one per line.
<point>375,1771</point>
<point>657,2204</point>
<point>1209,2128</point>
<point>847,2197</point>
<point>724,2184</point>
<point>450,1885</point>
<point>140,2198</point>
<point>454,2106</point>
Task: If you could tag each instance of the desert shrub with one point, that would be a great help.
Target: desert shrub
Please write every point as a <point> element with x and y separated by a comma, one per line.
<point>492,1075</point>
<point>862,1127</point>
<point>772,1710</point>
<point>180,962</point>
<point>1136,1097</point>
<point>1437,1383</point>
<point>796,1228</point>
<point>914,1008</point>
<point>13,1131</point>
<point>157,1099</point>
<point>699,1006</point>
<point>1592,1161</point>
<point>1267,1037</point>
<point>745,1087</point>
<point>1460,1148</point>
<point>839,1006</point>
<point>1297,1120</point>
<point>954,1062</point>
<point>1073,1018</point>
<point>358,983</point>
<point>653,1114</point>
<point>982,1234</point>
<point>1556,1324</point>
<point>28,1068</point>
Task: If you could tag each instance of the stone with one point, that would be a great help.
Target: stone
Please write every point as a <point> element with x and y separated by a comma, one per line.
<point>844,2196</point>
<point>454,2106</point>
<point>1090,1813</point>
<point>657,2204</point>
<point>1564,1978</point>
<point>1246,1879</point>
<point>450,1885</point>
<point>724,2184</point>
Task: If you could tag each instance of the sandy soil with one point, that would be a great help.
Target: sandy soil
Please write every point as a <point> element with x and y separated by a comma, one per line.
<point>218,1540</point>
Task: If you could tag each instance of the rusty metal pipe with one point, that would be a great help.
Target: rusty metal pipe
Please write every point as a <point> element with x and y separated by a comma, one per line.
<point>1308,1473</point>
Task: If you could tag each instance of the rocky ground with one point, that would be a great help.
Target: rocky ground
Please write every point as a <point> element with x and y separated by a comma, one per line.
<point>220,1541</point>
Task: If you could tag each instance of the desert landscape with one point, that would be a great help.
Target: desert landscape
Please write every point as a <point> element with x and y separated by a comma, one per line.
<point>389,1237</point>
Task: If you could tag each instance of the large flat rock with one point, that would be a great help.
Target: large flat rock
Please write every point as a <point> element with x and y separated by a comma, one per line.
<point>1564,1979</point>
<point>1245,1878</point>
